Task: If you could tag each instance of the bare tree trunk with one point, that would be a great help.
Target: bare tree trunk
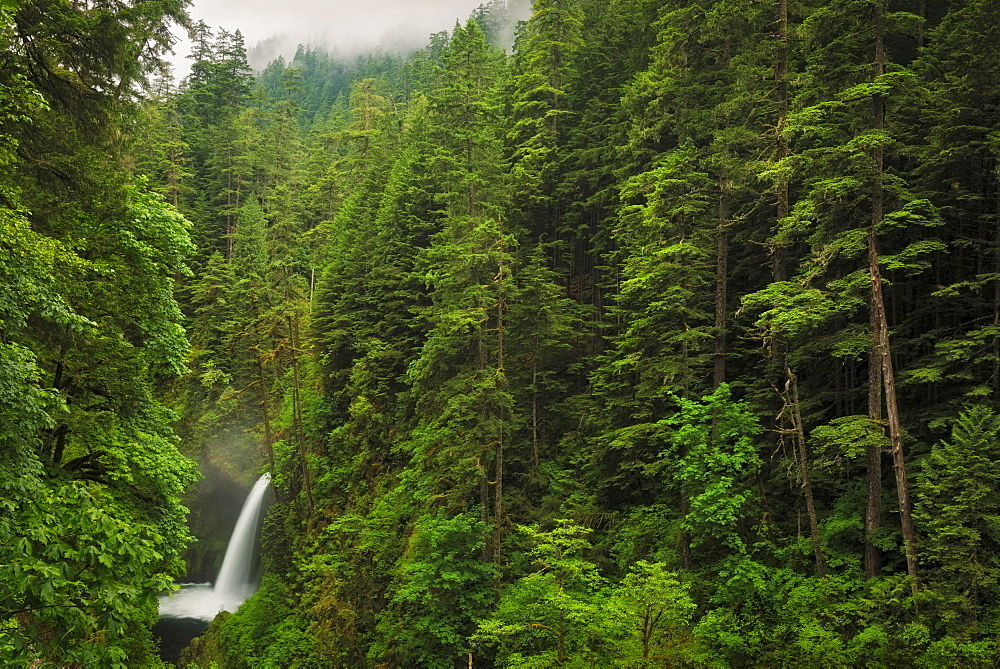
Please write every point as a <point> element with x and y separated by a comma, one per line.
<point>873,506</point>
<point>792,396</point>
<point>685,504</point>
<point>722,254</point>
<point>173,180</point>
<point>230,219</point>
<point>58,443</point>
<point>297,416</point>
<point>485,553</point>
<point>59,448</point>
<point>685,538</point>
<point>996,292</point>
<point>881,323</point>
<point>783,149</point>
<point>892,411</point>
<point>534,411</point>
<point>922,13</point>
<point>500,381</point>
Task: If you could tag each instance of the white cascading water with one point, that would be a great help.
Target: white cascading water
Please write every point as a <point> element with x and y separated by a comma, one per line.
<point>235,581</point>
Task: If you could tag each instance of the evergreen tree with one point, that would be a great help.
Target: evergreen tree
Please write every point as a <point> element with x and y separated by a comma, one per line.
<point>545,55</point>
<point>528,274</point>
<point>956,502</point>
<point>459,376</point>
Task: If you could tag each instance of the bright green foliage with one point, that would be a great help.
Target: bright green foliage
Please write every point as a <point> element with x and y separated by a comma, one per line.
<point>655,604</point>
<point>789,309</point>
<point>465,292</point>
<point>91,524</point>
<point>445,586</point>
<point>92,518</point>
<point>76,565</point>
<point>564,614</point>
<point>848,437</point>
<point>662,311</point>
<point>459,379</point>
<point>552,617</point>
<point>664,277</point>
<point>459,376</point>
<point>715,453</point>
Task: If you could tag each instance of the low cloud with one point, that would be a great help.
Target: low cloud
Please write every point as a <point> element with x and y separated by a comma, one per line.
<point>345,26</point>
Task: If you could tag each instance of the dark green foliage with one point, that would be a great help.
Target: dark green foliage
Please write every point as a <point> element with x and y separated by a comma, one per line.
<point>620,277</point>
<point>960,511</point>
<point>220,78</point>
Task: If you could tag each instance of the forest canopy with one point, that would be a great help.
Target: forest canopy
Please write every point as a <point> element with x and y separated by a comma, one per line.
<point>667,335</point>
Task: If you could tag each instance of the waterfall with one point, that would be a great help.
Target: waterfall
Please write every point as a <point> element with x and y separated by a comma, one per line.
<point>235,581</point>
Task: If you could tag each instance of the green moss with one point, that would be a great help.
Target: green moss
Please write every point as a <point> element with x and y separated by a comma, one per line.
<point>205,652</point>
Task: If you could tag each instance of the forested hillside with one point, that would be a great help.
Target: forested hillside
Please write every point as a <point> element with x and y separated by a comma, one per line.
<point>669,336</point>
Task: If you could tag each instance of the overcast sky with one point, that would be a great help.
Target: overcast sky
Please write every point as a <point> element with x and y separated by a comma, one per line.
<point>344,24</point>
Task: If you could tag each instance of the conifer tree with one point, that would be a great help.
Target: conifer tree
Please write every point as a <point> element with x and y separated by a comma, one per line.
<point>528,272</point>
<point>955,158</point>
<point>956,503</point>
<point>545,54</point>
<point>460,377</point>
<point>845,147</point>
